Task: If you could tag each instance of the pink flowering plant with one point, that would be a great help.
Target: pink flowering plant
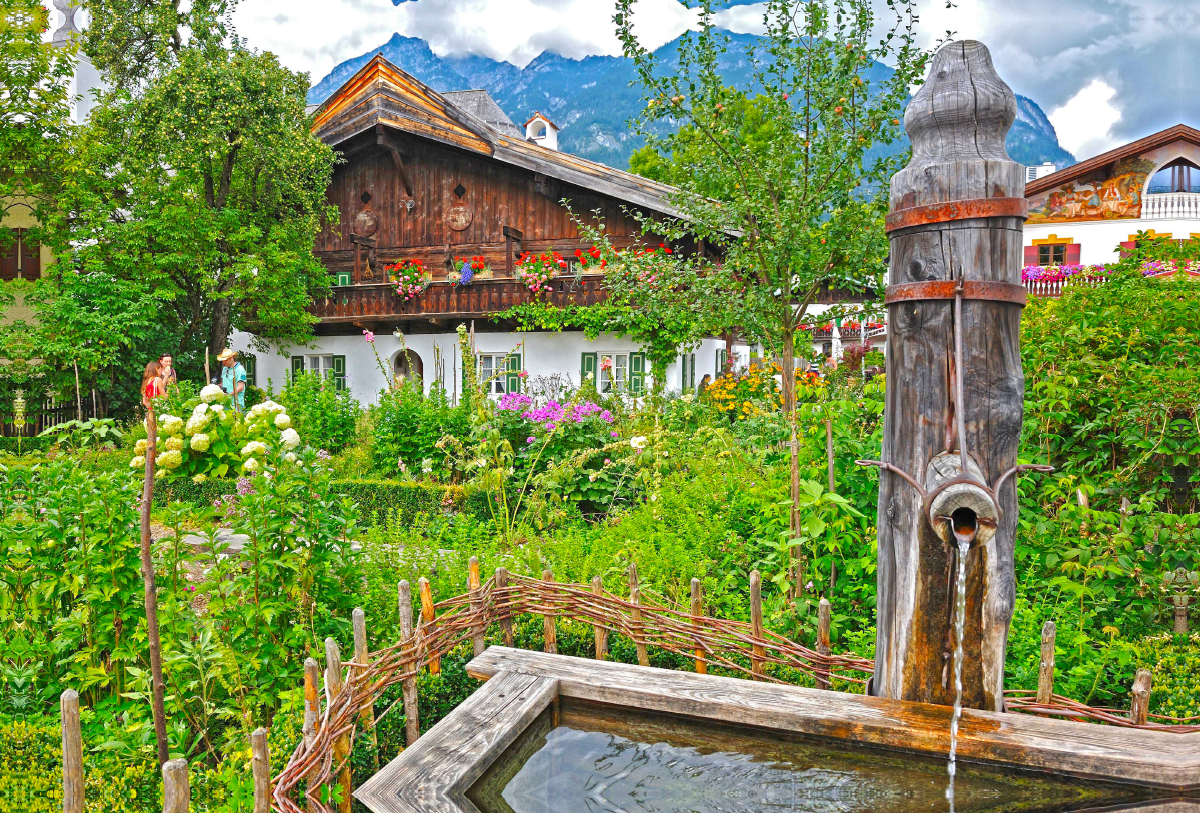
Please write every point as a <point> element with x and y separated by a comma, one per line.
<point>410,277</point>
<point>536,270</point>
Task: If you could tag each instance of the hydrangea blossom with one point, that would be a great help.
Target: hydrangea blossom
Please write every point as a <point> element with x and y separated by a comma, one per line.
<point>200,409</point>
<point>250,465</point>
<point>211,394</point>
<point>200,442</point>
<point>195,424</point>
<point>137,462</point>
<point>170,425</point>
<point>289,438</point>
<point>199,478</point>
<point>140,447</point>
<point>174,444</point>
<point>282,421</point>
<point>290,457</point>
<point>170,459</point>
<point>254,447</point>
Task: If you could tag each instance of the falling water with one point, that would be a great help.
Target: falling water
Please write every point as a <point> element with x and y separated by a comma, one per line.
<point>960,618</point>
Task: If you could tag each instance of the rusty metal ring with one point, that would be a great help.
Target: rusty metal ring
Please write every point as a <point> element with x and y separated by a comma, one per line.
<point>949,289</point>
<point>957,210</point>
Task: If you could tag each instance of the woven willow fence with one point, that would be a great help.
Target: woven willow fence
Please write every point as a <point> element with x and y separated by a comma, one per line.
<point>322,758</point>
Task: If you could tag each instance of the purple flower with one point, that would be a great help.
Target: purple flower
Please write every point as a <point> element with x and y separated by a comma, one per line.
<point>549,426</point>
<point>369,336</point>
<point>530,439</point>
<point>614,434</point>
<point>608,418</point>
<point>245,486</point>
<point>514,401</point>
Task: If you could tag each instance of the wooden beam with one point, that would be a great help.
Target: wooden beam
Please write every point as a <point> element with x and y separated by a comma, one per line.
<point>384,140</point>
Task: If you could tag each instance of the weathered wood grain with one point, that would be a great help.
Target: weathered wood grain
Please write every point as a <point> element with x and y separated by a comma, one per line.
<point>72,752</point>
<point>697,612</point>
<point>600,631</point>
<point>177,791</point>
<point>957,123</point>
<point>433,775</point>
<point>260,769</point>
<point>824,619</point>
<point>756,624</point>
<point>506,626</point>
<point>366,717</point>
<point>1150,758</point>
<point>334,684</point>
<point>1139,706</point>
<point>635,615</point>
<point>548,623</point>
<point>412,724</point>
<point>1045,689</point>
<point>474,588</point>
<point>427,618</point>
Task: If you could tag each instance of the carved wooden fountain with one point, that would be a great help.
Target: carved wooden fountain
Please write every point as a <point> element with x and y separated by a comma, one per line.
<point>954,388</point>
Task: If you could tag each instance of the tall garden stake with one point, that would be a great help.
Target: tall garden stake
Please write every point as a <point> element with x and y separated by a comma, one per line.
<point>157,702</point>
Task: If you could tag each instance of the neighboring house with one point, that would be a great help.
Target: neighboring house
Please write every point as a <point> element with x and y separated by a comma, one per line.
<point>1089,212</point>
<point>439,178</point>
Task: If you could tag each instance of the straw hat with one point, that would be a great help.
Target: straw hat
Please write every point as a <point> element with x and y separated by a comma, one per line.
<point>226,354</point>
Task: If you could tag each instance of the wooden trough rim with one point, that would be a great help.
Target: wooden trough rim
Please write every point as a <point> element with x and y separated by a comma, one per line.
<point>1155,759</point>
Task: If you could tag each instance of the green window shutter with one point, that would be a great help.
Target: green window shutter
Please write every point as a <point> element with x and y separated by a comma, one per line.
<point>691,371</point>
<point>637,373</point>
<point>587,365</point>
<point>343,278</point>
<point>297,365</point>
<point>512,381</point>
<point>339,372</point>
<point>250,365</point>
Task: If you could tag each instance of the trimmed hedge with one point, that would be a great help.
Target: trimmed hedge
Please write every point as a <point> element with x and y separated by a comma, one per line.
<point>27,445</point>
<point>377,499</point>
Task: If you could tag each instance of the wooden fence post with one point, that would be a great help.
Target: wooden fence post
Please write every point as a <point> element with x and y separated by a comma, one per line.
<point>600,631</point>
<point>260,767</point>
<point>312,714</point>
<point>367,716</point>
<point>1139,707</point>
<point>475,591</point>
<point>1045,690</point>
<point>697,612</point>
<point>635,598</point>
<point>824,610</point>
<point>435,664</point>
<point>506,627</point>
<point>829,449</point>
<point>177,793</point>
<point>756,624</point>
<point>548,618</point>
<point>341,746</point>
<point>412,723</point>
<point>72,752</point>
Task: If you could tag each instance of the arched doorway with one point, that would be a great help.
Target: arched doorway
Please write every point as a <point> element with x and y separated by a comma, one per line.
<point>407,364</point>
<point>1180,175</point>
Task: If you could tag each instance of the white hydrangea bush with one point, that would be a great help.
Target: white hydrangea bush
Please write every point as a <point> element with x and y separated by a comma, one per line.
<point>211,439</point>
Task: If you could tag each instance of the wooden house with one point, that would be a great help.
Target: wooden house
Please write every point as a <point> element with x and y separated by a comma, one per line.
<point>448,179</point>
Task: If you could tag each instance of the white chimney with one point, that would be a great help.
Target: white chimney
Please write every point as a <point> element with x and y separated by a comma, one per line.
<point>541,131</point>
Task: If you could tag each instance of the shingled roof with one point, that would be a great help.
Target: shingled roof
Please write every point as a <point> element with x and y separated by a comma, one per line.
<point>482,106</point>
<point>383,94</point>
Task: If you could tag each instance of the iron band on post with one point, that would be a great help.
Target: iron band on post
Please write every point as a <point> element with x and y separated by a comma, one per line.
<point>948,289</point>
<point>957,210</point>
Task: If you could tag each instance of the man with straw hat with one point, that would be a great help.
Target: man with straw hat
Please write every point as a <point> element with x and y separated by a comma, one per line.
<point>233,378</point>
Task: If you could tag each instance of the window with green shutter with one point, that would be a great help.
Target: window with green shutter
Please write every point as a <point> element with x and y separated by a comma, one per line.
<point>339,372</point>
<point>297,365</point>
<point>344,278</point>
<point>687,372</point>
<point>722,360</point>
<point>587,366</point>
<point>250,365</point>
<point>513,375</point>
<point>637,373</point>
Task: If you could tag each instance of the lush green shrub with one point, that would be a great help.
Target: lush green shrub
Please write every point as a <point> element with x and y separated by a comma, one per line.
<point>408,426</point>
<point>25,446</point>
<point>324,414</point>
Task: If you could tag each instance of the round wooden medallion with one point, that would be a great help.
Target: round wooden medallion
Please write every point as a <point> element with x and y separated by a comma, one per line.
<point>366,223</point>
<point>459,217</point>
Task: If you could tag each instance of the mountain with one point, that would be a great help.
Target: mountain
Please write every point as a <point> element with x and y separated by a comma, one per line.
<point>592,99</point>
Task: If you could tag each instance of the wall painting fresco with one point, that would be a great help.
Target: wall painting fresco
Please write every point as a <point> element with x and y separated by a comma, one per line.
<point>1117,196</point>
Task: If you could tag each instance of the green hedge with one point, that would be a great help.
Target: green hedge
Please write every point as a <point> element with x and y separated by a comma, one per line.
<point>377,499</point>
<point>27,445</point>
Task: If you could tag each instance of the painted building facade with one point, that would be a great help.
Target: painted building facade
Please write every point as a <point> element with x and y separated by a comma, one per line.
<point>1089,212</point>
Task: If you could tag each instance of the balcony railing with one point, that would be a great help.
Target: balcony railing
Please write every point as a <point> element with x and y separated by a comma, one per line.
<point>1171,205</point>
<point>380,301</point>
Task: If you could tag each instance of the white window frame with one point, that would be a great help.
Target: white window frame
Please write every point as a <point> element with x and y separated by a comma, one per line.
<point>319,363</point>
<point>495,362</point>
<point>616,379</point>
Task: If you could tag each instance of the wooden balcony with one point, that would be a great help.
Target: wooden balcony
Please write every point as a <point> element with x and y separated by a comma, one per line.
<point>380,302</point>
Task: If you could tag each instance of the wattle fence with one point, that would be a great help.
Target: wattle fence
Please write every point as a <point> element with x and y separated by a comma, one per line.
<point>733,646</point>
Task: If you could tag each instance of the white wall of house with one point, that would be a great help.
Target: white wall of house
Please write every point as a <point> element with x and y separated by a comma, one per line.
<point>542,354</point>
<point>1099,239</point>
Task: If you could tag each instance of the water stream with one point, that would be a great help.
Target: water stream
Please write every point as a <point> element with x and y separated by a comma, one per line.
<point>960,620</point>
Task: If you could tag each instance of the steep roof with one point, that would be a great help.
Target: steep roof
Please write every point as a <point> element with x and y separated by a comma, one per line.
<point>381,93</point>
<point>1180,132</point>
<point>482,106</point>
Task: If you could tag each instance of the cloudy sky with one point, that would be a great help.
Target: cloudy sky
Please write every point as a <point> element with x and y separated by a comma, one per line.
<point>1105,71</point>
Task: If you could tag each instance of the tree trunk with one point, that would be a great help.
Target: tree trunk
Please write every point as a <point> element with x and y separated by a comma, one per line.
<point>78,397</point>
<point>957,123</point>
<point>222,320</point>
<point>151,595</point>
<point>789,409</point>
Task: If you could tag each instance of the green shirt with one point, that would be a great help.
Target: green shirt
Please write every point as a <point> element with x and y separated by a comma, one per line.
<point>229,377</point>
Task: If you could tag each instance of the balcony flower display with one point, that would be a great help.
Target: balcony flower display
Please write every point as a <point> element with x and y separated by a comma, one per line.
<point>590,259</point>
<point>1059,273</point>
<point>469,269</point>
<point>536,270</point>
<point>410,277</point>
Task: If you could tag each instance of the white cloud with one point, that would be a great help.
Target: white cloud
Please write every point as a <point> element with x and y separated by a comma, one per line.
<point>1084,123</point>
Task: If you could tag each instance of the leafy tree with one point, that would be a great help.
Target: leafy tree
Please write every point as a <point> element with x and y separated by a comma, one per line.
<point>207,186</point>
<point>34,108</point>
<point>785,183</point>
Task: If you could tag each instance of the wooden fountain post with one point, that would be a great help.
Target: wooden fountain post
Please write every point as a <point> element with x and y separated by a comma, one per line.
<point>955,228</point>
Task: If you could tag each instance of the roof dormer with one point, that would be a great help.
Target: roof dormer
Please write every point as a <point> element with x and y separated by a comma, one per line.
<point>541,131</point>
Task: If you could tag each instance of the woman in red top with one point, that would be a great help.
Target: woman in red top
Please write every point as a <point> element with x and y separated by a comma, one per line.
<point>152,384</point>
